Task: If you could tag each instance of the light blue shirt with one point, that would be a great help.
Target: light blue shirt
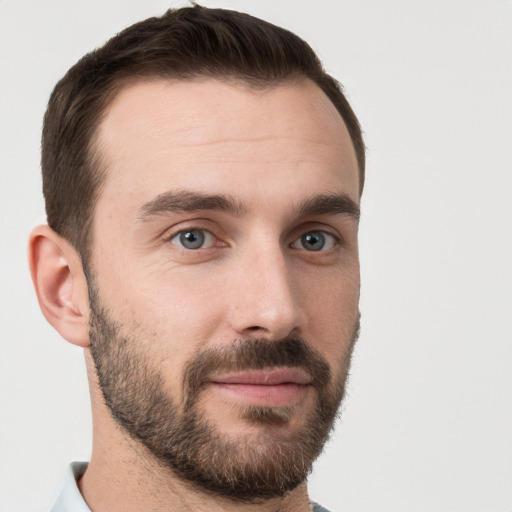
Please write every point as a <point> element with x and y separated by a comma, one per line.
<point>70,499</point>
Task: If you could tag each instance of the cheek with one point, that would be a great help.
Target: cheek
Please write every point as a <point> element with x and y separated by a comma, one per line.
<point>162,296</point>
<point>182,318</point>
<point>170,314</point>
<point>333,312</point>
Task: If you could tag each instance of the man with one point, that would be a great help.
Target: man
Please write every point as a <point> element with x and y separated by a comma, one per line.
<point>202,176</point>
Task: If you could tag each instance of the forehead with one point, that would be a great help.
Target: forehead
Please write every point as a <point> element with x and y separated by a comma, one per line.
<point>212,136</point>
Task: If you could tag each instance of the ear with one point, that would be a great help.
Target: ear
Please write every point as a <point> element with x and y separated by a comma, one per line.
<point>60,284</point>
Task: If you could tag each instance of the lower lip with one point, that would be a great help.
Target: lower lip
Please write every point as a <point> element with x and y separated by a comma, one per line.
<point>263,395</point>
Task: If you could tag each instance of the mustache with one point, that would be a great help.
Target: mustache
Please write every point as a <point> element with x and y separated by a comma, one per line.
<point>254,354</point>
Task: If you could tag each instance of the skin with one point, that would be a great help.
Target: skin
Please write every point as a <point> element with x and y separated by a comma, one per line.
<point>270,151</point>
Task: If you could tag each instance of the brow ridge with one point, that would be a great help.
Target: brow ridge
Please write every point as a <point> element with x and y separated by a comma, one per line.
<point>177,201</point>
<point>329,204</point>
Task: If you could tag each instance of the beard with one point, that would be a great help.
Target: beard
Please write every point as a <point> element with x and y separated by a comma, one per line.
<point>263,464</point>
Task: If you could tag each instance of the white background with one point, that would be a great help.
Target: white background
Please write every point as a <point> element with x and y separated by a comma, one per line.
<point>427,425</point>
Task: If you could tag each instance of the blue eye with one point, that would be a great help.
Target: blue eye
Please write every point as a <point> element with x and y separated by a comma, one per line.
<point>193,239</point>
<point>315,241</point>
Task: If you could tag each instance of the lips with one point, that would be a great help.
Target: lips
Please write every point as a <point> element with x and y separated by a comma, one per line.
<point>272,377</point>
<point>270,388</point>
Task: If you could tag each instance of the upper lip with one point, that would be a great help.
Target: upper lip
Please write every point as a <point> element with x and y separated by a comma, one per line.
<point>265,377</point>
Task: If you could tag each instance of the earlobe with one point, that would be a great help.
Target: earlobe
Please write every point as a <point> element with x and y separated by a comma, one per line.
<point>60,284</point>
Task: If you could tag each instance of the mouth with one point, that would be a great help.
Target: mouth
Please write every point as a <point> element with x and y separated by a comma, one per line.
<point>273,387</point>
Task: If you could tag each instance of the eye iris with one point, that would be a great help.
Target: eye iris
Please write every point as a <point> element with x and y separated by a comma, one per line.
<point>192,239</point>
<point>313,241</point>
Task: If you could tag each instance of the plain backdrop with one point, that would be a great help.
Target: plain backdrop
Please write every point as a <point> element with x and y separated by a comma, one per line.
<point>427,424</point>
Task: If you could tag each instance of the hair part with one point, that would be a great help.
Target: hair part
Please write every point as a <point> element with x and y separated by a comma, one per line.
<point>183,44</point>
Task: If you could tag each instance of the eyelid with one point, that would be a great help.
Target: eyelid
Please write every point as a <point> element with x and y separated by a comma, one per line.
<point>334,240</point>
<point>209,240</point>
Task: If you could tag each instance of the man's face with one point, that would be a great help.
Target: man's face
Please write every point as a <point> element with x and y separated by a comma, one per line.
<point>225,277</point>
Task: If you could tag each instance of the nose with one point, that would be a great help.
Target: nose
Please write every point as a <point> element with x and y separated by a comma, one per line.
<point>265,301</point>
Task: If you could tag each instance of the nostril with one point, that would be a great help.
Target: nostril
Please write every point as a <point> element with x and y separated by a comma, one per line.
<point>254,328</point>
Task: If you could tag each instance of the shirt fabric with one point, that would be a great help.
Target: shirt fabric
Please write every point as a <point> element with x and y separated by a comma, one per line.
<point>70,499</point>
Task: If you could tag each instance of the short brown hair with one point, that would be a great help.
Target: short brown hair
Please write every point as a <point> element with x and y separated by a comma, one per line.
<point>182,44</point>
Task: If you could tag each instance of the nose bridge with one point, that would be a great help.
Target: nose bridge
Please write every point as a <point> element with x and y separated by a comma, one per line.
<point>267,301</point>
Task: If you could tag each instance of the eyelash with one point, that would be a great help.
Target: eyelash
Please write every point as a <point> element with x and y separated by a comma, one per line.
<point>207,237</point>
<point>184,232</point>
<point>329,239</point>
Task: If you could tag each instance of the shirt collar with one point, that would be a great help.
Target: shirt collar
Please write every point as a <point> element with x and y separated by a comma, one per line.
<point>70,499</point>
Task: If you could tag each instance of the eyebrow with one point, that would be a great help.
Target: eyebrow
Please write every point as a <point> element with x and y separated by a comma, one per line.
<point>178,201</point>
<point>330,204</point>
